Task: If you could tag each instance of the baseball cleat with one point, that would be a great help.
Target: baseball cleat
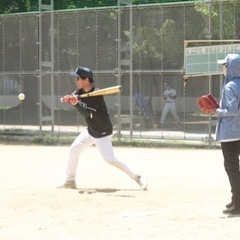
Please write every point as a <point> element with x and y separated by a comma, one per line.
<point>69,184</point>
<point>230,205</point>
<point>142,182</point>
<point>233,210</point>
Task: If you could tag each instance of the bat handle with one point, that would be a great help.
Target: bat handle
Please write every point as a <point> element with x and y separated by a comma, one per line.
<point>61,99</point>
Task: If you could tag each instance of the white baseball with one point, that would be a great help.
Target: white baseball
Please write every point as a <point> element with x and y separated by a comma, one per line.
<point>21,96</point>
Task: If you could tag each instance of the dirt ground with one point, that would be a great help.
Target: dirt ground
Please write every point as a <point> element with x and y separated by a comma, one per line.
<point>188,189</point>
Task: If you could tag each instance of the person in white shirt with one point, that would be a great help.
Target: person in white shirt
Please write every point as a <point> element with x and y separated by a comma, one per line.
<point>170,96</point>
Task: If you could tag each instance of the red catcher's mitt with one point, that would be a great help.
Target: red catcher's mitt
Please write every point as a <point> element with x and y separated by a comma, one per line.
<point>207,103</point>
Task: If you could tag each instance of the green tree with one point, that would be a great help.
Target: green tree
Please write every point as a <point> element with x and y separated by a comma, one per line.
<point>16,6</point>
<point>211,12</point>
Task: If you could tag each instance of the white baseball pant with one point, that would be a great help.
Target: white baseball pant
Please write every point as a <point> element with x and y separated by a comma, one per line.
<point>104,145</point>
<point>169,107</point>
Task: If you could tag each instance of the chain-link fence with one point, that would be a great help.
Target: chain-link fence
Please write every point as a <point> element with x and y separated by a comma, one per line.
<point>90,37</point>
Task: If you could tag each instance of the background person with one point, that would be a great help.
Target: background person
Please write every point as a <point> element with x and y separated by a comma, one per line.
<point>141,104</point>
<point>170,96</point>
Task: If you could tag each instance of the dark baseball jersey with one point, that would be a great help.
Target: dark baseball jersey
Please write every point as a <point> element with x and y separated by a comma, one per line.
<point>95,111</point>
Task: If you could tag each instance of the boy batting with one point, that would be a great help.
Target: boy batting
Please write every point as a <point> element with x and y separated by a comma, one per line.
<point>98,132</point>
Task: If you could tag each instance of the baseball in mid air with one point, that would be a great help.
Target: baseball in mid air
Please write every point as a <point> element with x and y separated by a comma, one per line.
<point>21,96</point>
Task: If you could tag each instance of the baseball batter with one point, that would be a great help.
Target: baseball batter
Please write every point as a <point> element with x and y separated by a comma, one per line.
<point>170,104</point>
<point>99,131</point>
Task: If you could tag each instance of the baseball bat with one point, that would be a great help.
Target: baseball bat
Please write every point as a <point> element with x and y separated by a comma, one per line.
<point>100,92</point>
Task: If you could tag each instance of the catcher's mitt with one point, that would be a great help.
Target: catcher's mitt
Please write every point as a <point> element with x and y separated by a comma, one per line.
<point>207,103</point>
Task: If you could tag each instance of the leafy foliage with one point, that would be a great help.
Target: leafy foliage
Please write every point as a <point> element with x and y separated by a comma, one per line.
<point>15,6</point>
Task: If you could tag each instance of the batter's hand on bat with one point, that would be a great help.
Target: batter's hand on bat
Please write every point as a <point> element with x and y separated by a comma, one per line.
<point>70,99</point>
<point>74,100</point>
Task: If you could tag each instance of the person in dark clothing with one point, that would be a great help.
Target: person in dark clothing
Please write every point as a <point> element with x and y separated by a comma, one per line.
<point>99,130</point>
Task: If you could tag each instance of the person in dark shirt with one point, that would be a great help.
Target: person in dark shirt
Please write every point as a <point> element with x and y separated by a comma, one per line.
<point>99,130</point>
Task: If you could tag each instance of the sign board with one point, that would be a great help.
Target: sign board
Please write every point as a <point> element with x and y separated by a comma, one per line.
<point>203,60</point>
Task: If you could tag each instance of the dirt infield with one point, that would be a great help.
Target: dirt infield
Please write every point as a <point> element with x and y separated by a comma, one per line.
<point>188,190</point>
